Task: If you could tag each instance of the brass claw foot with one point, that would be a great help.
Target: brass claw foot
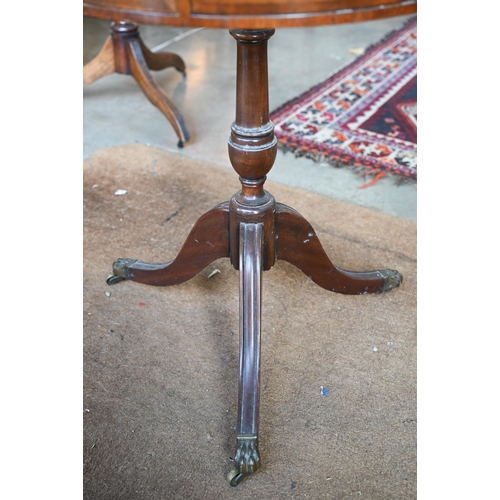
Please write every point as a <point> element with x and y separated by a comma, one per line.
<point>393,279</point>
<point>120,271</point>
<point>247,459</point>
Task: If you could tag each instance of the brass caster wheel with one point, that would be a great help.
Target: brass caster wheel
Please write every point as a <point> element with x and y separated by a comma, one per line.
<point>235,477</point>
<point>112,279</point>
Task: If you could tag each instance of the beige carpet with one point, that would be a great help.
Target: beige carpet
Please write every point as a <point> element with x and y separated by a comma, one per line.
<point>161,364</point>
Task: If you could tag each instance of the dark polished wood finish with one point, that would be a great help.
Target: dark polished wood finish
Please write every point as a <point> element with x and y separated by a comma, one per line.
<point>124,52</point>
<point>207,241</point>
<point>298,244</point>
<point>252,230</point>
<point>247,452</point>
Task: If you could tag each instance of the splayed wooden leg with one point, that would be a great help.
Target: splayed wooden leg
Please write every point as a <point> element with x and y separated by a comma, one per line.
<point>207,241</point>
<point>162,60</point>
<point>103,64</point>
<point>298,244</point>
<point>154,93</point>
<point>247,458</point>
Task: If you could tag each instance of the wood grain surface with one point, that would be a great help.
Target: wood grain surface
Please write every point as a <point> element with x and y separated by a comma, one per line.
<point>246,14</point>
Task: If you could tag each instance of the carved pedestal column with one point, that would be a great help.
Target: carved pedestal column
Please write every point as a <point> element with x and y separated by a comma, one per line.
<point>252,151</point>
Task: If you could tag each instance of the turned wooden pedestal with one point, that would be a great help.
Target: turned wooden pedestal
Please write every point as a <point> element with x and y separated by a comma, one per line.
<point>252,230</point>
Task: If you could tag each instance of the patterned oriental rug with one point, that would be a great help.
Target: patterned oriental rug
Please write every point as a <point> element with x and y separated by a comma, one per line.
<point>364,115</point>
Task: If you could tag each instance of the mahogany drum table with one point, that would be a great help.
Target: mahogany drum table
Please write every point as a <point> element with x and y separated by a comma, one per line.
<point>251,229</point>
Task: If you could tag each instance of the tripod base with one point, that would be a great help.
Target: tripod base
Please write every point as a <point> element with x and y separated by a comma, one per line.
<point>295,242</point>
<point>124,52</point>
<point>253,231</point>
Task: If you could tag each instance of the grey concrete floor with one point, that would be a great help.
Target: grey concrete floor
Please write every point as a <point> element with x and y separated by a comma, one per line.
<point>115,111</point>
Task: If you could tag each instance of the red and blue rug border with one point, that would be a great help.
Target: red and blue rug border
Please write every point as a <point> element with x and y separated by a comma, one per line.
<point>322,152</point>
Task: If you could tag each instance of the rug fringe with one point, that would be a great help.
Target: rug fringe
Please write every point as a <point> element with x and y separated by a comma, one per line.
<point>360,170</point>
<point>373,181</point>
